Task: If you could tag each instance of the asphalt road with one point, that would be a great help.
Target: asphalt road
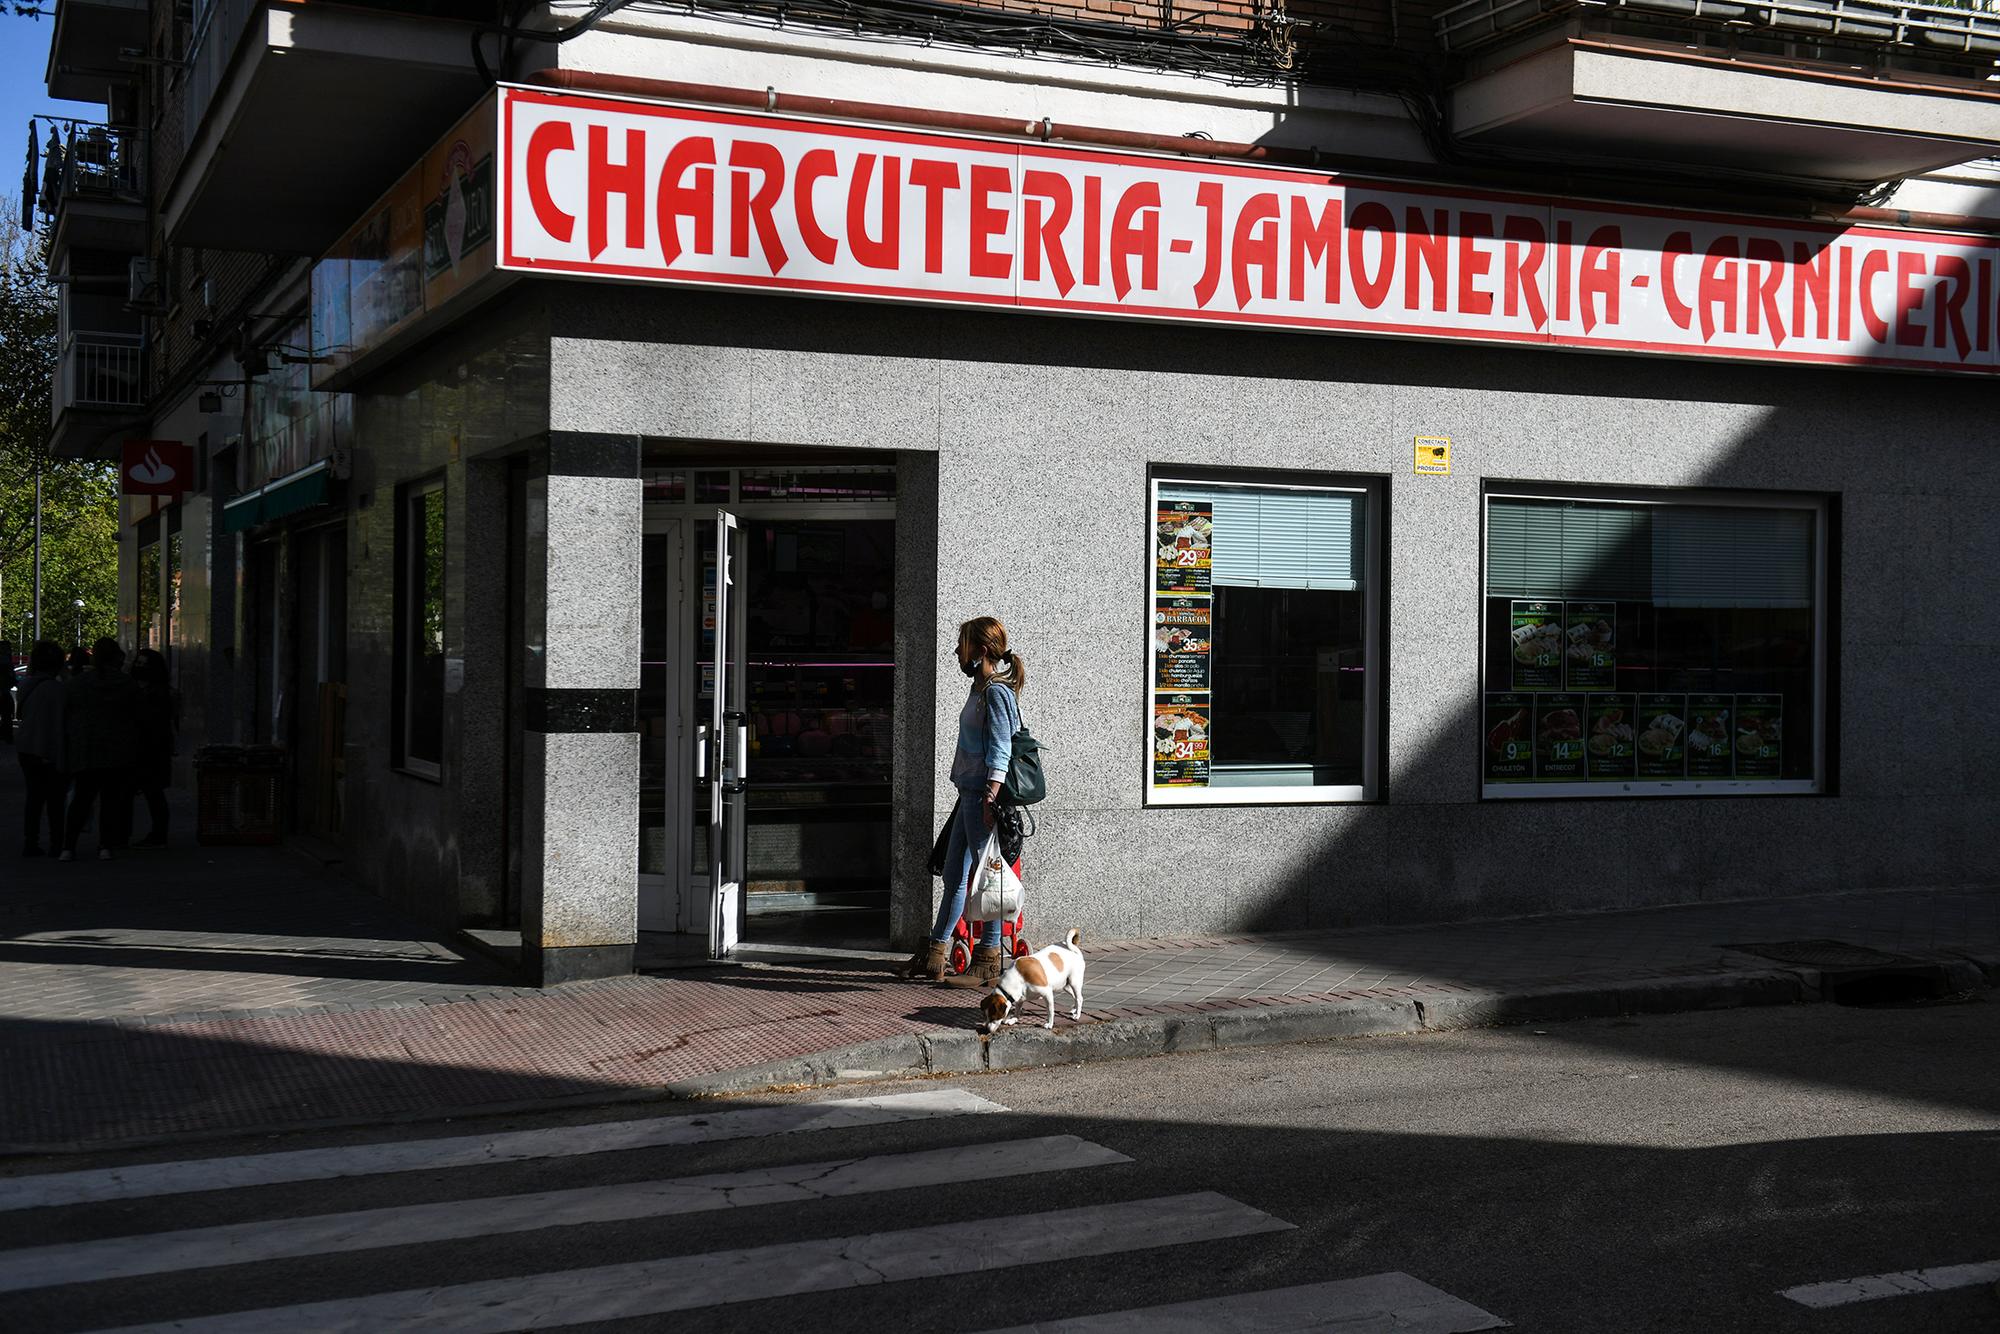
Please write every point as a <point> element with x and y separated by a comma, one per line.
<point>1670,1174</point>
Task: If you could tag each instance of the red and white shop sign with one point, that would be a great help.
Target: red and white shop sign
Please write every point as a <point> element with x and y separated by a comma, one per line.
<point>157,467</point>
<point>616,188</point>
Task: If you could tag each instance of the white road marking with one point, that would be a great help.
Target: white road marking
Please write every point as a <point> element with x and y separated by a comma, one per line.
<point>694,1282</point>
<point>1391,1303</point>
<point>352,1160</point>
<point>414,1225</point>
<point>1909,1283</point>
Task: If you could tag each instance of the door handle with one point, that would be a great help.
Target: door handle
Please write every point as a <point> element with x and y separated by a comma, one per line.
<point>701,753</point>
<point>742,755</point>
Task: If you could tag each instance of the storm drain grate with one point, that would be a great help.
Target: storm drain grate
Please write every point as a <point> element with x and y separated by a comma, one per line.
<point>1819,953</point>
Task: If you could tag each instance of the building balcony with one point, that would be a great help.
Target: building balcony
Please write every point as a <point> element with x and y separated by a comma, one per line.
<point>90,184</point>
<point>100,383</point>
<point>1844,92</point>
<point>86,49</point>
<point>298,113</point>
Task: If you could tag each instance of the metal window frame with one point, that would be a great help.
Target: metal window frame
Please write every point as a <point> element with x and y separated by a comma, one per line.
<point>1821,507</point>
<point>409,545</point>
<point>1374,627</point>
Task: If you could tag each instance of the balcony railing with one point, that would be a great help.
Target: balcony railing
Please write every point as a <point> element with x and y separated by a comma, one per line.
<point>1967,30</point>
<point>102,370</point>
<point>83,160</point>
<point>218,27</point>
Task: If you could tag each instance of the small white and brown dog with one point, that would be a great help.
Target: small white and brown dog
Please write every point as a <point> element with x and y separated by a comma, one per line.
<point>1057,968</point>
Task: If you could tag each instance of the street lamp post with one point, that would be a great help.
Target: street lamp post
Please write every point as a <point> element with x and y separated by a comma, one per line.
<point>77,637</point>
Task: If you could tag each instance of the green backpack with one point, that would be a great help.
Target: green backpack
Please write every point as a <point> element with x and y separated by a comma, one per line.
<point>1025,784</point>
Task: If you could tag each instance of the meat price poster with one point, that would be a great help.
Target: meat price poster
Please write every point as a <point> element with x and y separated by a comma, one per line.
<point>1181,628</point>
<point>1510,750</point>
<point>1559,738</point>
<point>1182,531</point>
<point>1535,642</point>
<point>1180,741</point>
<point>623,188</point>
<point>1760,729</point>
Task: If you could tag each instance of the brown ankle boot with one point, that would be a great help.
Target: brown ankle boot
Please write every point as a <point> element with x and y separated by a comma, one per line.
<point>987,962</point>
<point>927,963</point>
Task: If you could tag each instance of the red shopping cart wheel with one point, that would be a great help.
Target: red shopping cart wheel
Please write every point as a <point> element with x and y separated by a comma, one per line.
<point>961,956</point>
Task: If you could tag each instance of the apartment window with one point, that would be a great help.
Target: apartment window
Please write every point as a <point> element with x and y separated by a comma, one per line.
<point>1265,645</point>
<point>1669,645</point>
<point>420,627</point>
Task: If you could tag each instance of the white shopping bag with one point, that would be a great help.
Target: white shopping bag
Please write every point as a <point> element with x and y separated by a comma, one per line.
<point>995,891</point>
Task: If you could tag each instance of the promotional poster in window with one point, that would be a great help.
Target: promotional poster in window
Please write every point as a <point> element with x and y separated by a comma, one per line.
<point>1182,530</point>
<point>1181,631</point>
<point>1180,741</point>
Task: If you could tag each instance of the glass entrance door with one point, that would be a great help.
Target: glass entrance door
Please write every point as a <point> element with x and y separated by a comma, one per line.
<point>722,757</point>
<point>766,699</point>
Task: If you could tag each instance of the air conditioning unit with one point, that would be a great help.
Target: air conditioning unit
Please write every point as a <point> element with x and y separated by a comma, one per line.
<point>144,289</point>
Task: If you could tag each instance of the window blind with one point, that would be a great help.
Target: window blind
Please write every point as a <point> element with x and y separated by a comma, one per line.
<point>1557,549</point>
<point>1732,558</point>
<point>1281,539</point>
<point>1668,555</point>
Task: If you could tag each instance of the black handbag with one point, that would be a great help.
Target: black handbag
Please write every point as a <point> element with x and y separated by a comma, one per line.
<point>943,840</point>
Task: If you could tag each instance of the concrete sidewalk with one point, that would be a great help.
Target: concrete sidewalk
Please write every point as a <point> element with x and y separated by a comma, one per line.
<point>202,991</point>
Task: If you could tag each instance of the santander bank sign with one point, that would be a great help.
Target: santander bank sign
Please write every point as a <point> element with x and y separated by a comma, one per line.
<point>614,188</point>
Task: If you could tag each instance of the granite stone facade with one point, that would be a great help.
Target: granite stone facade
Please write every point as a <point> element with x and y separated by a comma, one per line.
<point>1025,445</point>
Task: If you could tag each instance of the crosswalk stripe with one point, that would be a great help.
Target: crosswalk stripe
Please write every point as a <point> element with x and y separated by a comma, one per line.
<point>692,1282</point>
<point>1378,1304</point>
<point>1908,1283</point>
<point>409,1225</point>
<point>350,1160</point>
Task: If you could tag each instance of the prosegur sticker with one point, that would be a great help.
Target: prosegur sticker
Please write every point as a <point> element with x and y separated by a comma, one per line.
<point>1434,455</point>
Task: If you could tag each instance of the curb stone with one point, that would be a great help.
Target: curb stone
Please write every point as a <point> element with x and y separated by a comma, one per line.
<point>950,1052</point>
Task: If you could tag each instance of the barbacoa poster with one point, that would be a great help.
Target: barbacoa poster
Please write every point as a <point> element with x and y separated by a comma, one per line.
<point>1510,751</point>
<point>1181,627</point>
<point>1590,637</point>
<point>1760,730</point>
<point>1536,641</point>
<point>1181,533</point>
<point>1180,740</point>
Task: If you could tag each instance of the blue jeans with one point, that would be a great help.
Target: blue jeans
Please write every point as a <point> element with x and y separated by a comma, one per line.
<point>961,854</point>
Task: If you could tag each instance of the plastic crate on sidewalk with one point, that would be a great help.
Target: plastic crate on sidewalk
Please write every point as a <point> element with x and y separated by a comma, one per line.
<point>239,795</point>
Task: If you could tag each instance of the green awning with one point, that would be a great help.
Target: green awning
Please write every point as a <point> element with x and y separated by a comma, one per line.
<point>302,490</point>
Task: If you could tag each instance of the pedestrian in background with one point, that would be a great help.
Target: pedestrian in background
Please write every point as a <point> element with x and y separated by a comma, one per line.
<point>38,744</point>
<point>101,736</point>
<point>159,721</point>
<point>79,661</point>
<point>7,701</point>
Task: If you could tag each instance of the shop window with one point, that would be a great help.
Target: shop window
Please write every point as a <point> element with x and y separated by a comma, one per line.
<point>1265,645</point>
<point>1651,646</point>
<point>150,633</point>
<point>420,628</point>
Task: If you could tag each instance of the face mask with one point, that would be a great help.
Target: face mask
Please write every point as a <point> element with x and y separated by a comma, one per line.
<point>970,668</point>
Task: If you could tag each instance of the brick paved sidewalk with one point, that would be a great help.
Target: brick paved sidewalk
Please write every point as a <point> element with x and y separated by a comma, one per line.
<point>209,991</point>
<point>78,1083</point>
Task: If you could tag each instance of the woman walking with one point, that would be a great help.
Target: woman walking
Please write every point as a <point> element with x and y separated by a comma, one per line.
<point>986,727</point>
<point>38,743</point>
<point>159,718</point>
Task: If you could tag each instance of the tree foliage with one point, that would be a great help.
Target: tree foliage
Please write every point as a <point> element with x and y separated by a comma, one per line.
<point>79,499</point>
